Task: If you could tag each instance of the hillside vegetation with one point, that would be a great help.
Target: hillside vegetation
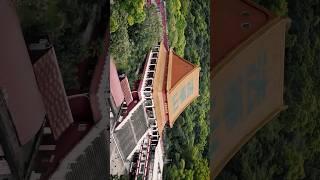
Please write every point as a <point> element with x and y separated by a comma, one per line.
<point>70,25</point>
<point>187,142</point>
<point>135,29</point>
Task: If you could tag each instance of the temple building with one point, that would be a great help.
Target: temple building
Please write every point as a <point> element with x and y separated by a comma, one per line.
<point>168,84</point>
<point>73,144</point>
<point>247,75</point>
<point>44,132</point>
<point>116,94</point>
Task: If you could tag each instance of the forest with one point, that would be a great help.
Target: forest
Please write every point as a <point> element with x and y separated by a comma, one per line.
<point>186,143</point>
<point>288,148</point>
<point>135,29</point>
<point>75,28</point>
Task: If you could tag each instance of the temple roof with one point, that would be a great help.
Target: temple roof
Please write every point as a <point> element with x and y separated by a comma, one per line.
<point>182,85</point>
<point>159,88</point>
<point>131,131</point>
<point>98,86</point>
<point>115,86</point>
<point>248,75</point>
<point>178,68</point>
<point>126,90</point>
<point>244,19</point>
<point>53,92</point>
<point>176,86</point>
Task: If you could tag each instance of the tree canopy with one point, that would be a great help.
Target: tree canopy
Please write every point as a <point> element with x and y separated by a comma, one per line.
<point>130,42</point>
<point>65,23</point>
<point>187,142</point>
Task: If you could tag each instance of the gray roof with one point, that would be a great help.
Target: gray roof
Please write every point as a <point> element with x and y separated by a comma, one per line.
<point>139,122</point>
<point>88,160</point>
<point>131,132</point>
<point>92,163</point>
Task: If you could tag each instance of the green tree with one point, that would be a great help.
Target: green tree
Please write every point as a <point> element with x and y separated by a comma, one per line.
<point>135,9</point>
<point>148,33</point>
<point>120,47</point>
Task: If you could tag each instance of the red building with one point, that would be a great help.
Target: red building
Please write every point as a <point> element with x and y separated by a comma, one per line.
<point>125,86</point>
<point>76,127</point>
<point>22,111</point>
<point>117,96</point>
<point>17,79</point>
<point>49,79</point>
<point>170,83</point>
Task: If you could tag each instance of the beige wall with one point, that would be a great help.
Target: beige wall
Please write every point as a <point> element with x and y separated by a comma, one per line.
<point>246,93</point>
<point>187,87</point>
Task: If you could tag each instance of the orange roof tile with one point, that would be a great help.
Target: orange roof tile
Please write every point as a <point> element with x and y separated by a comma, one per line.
<point>177,69</point>
<point>228,34</point>
<point>176,85</point>
<point>159,88</point>
<point>126,90</point>
<point>115,86</point>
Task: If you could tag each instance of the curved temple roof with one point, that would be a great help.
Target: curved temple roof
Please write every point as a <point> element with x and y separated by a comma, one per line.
<point>176,86</point>
<point>51,86</point>
<point>230,17</point>
<point>248,81</point>
<point>115,86</point>
<point>182,85</point>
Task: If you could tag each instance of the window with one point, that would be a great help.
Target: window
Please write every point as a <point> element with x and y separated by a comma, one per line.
<point>156,49</point>
<point>147,94</point>
<point>142,168</point>
<point>245,25</point>
<point>150,75</point>
<point>155,55</point>
<point>152,67</point>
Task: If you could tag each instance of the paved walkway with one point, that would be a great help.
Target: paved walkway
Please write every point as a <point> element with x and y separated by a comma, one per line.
<point>116,164</point>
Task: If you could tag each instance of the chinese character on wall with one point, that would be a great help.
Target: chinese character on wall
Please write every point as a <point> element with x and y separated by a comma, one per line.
<point>182,95</point>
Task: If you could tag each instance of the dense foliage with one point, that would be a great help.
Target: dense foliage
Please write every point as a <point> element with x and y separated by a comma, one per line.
<point>177,12</point>
<point>289,146</point>
<point>135,13</point>
<point>67,23</point>
<point>186,142</point>
<point>130,42</point>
